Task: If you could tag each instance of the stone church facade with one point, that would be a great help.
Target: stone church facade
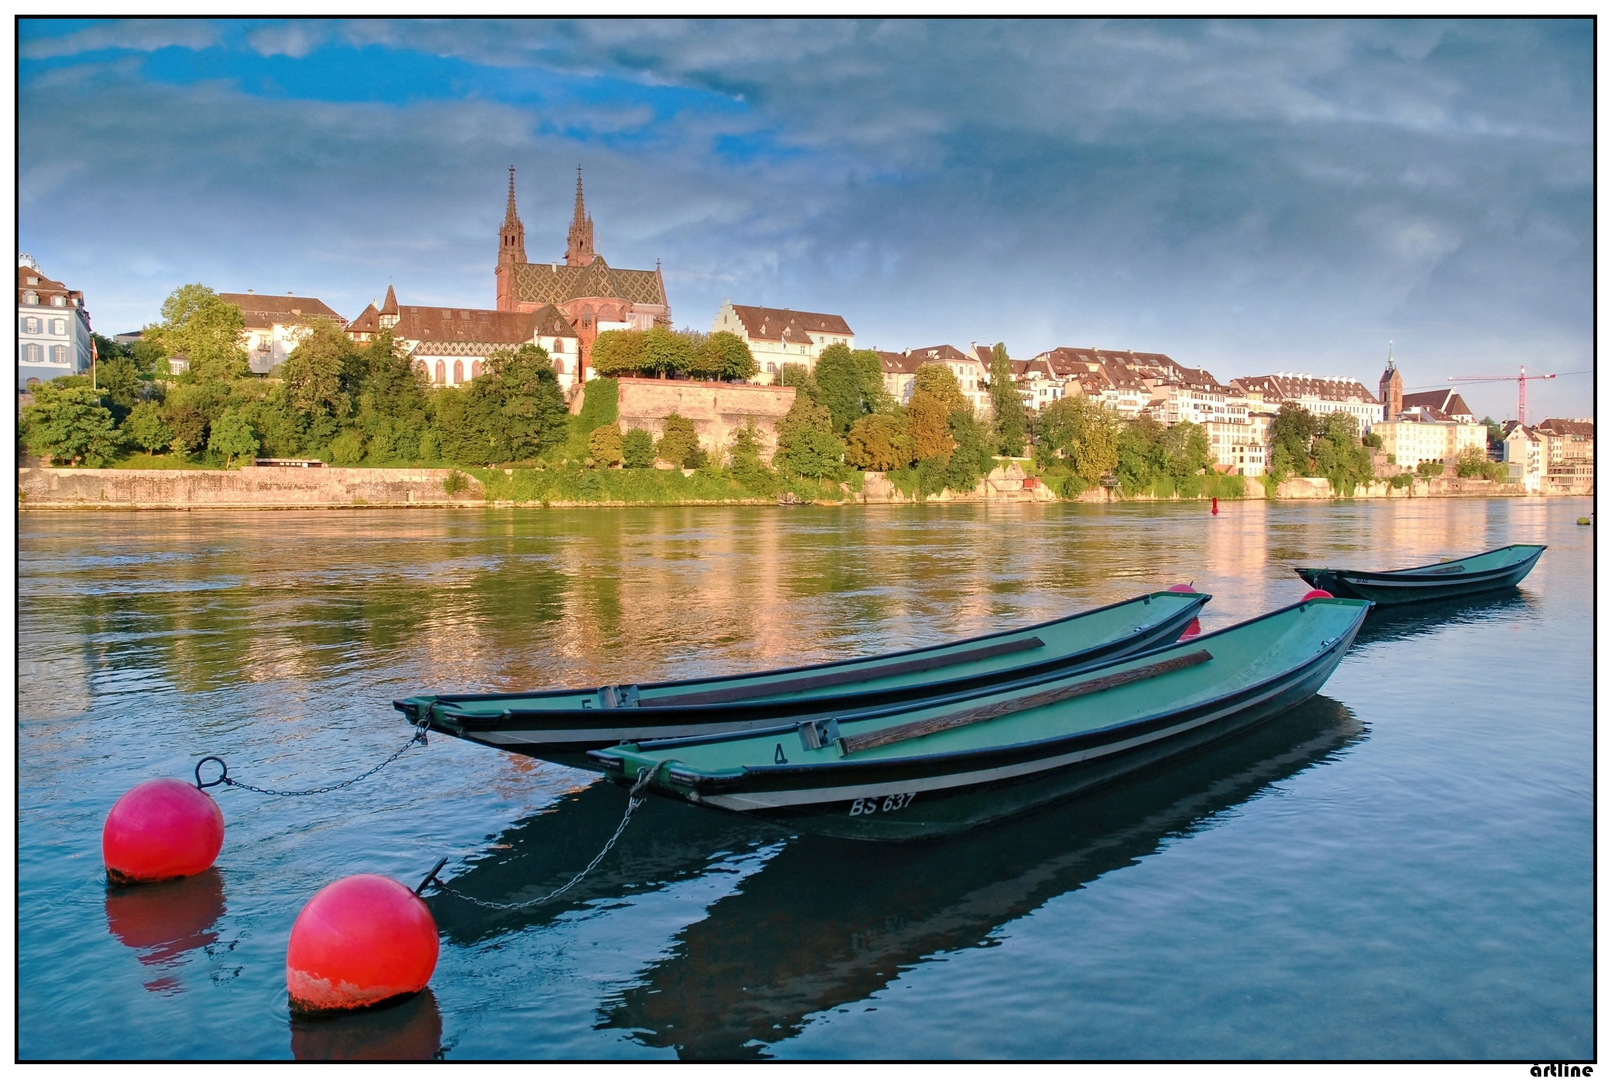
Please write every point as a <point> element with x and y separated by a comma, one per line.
<point>593,296</point>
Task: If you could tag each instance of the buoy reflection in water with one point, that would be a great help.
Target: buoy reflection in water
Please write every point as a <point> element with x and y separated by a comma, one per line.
<point>166,921</point>
<point>411,1031</point>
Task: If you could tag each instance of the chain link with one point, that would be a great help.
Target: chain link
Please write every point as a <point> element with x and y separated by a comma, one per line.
<point>419,736</point>
<point>634,801</point>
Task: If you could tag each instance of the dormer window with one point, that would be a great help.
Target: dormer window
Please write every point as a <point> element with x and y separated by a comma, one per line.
<point>58,301</point>
<point>30,297</point>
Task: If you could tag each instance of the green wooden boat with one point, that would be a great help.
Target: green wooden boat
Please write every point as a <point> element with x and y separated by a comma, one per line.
<point>908,772</point>
<point>563,725</point>
<point>1498,569</point>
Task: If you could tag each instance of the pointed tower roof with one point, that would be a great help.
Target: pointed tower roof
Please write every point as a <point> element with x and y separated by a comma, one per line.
<point>580,238</point>
<point>510,216</point>
<point>390,307</point>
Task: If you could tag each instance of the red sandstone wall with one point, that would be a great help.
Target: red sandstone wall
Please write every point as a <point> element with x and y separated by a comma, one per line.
<point>718,409</point>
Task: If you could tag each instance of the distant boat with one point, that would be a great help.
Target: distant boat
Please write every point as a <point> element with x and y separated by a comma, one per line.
<point>909,772</point>
<point>1498,569</point>
<point>563,725</point>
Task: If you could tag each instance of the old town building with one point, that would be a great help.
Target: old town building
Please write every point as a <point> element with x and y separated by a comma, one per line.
<point>275,325</point>
<point>450,346</point>
<point>779,336</point>
<point>53,328</point>
<point>1569,454</point>
<point>1317,395</point>
<point>591,295</point>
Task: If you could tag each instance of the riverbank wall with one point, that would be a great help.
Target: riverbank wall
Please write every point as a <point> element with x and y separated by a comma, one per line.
<point>273,488</point>
<point>250,488</point>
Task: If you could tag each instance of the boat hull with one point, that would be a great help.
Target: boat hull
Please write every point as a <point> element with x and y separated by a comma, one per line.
<point>1423,585</point>
<point>939,794</point>
<point>565,736</point>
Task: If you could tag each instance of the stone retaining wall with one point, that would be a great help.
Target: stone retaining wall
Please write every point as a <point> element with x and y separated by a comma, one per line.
<point>718,409</point>
<point>237,489</point>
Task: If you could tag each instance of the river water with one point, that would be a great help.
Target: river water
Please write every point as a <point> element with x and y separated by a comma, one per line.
<point>1401,869</point>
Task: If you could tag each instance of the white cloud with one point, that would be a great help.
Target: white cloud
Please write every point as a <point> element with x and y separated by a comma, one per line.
<point>141,35</point>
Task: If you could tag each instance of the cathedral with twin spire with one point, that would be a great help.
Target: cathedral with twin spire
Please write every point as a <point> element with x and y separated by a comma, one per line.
<point>593,296</point>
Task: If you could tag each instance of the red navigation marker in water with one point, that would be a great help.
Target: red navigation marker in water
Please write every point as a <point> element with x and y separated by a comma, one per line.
<point>360,942</point>
<point>161,829</point>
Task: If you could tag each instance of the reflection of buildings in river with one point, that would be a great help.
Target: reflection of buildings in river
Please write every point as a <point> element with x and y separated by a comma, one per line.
<point>1235,540</point>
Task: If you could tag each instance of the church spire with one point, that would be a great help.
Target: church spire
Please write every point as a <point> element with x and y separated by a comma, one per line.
<point>1391,389</point>
<point>580,240</point>
<point>512,236</point>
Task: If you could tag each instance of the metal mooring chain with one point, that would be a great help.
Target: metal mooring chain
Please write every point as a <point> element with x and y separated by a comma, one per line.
<point>224,773</point>
<point>634,801</point>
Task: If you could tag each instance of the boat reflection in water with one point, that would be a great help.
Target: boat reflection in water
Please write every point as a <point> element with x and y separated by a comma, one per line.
<point>411,1031</point>
<point>166,921</point>
<point>829,921</point>
<point>1413,620</point>
<point>665,842</point>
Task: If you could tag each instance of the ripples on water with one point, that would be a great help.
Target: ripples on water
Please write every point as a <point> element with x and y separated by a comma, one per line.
<point>1401,868</point>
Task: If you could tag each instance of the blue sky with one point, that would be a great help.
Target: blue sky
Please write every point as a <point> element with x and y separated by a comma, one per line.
<point>1246,196</point>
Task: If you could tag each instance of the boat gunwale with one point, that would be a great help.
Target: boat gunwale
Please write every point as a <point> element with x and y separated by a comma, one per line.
<point>730,781</point>
<point>1424,575</point>
<point>452,699</point>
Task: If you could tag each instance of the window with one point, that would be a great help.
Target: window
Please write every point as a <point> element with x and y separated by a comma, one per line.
<point>30,326</point>
<point>475,369</point>
<point>30,297</point>
<point>58,301</point>
<point>58,354</point>
<point>459,372</point>
<point>442,373</point>
<point>33,354</point>
<point>58,327</point>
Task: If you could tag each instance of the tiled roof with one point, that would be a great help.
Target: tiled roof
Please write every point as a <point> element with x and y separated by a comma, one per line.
<point>368,321</point>
<point>790,327</point>
<point>262,311</point>
<point>437,324</point>
<point>946,354</point>
<point>459,348</point>
<point>895,363</point>
<point>1586,428</point>
<point>1445,401</point>
<point>550,321</point>
<point>44,286</point>
<point>556,283</point>
<point>1511,426</point>
<point>1286,386</point>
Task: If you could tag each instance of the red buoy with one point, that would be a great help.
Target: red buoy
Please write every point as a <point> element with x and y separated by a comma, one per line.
<point>1181,587</point>
<point>1316,594</point>
<point>161,829</point>
<point>360,942</point>
<point>1215,505</point>
<point>1192,630</point>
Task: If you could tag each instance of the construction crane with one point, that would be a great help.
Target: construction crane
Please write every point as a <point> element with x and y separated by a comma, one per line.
<point>1523,382</point>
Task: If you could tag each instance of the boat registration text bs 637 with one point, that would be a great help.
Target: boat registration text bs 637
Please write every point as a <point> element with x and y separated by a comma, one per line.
<point>876,805</point>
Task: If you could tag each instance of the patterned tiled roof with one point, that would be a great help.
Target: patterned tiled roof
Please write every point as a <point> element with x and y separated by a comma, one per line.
<point>459,348</point>
<point>260,312</point>
<point>556,283</point>
<point>790,327</point>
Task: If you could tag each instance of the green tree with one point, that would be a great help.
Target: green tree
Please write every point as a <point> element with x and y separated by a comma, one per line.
<point>1339,454</point>
<point>638,449</point>
<point>1292,430</point>
<point>1096,445</point>
<point>679,445</point>
<point>928,430</point>
<point>190,409</point>
<point>725,355</point>
<point>1140,457</point>
<point>392,407</point>
<point>605,445</point>
<point>314,380</point>
<point>69,425</point>
<point>798,376</point>
<point>1493,432</point>
<point>938,379</point>
<point>1187,450</point>
<point>601,403</point>
<point>1007,407</point>
<point>204,329</point>
<point>849,384</point>
<point>619,352</point>
<point>745,462</point>
<point>806,444</point>
<point>879,443</point>
<point>666,351</point>
<point>145,428</point>
<point>531,413</point>
<point>232,436</point>
<point>973,456</point>
<point>346,449</point>
<point>1473,463</point>
<point>120,385</point>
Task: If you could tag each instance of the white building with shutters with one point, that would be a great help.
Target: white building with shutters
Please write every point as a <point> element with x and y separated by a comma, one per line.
<point>53,328</point>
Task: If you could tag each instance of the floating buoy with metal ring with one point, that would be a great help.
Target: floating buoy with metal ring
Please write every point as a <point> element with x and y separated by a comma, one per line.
<point>161,829</point>
<point>1181,587</point>
<point>361,942</point>
<point>1316,594</point>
